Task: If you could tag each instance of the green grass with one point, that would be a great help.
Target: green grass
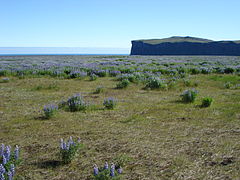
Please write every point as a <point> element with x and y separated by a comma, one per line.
<point>152,132</point>
<point>175,39</point>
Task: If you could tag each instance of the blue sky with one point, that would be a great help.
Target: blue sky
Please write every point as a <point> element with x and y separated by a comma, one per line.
<point>112,23</point>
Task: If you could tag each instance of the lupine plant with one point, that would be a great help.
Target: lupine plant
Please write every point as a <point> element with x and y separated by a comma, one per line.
<point>77,67</point>
<point>155,83</point>
<point>50,110</point>
<point>99,90</point>
<point>114,73</point>
<point>189,96</point>
<point>69,149</point>
<point>93,77</point>
<point>207,101</point>
<point>8,161</point>
<point>228,85</point>
<point>77,74</point>
<point>76,103</point>
<point>110,103</point>
<point>123,84</point>
<point>107,173</point>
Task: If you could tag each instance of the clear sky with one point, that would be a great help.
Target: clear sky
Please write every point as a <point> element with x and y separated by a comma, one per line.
<point>113,23</point>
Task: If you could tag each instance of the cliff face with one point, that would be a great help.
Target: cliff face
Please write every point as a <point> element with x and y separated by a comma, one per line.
<point>185,46</point>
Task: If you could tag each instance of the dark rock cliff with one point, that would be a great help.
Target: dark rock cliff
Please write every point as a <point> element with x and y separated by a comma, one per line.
<point>182,47</point>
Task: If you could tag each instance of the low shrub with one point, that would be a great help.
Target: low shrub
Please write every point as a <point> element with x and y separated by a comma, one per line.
<point>205,70</point>
<point>207,101</point>
<point>77,74</point>
<point>9,161</point>
<point>50,110</point>
<point>101,73</point>
<point>99,90</point>
<point>76,103</point>
<point>189,96</point>
<point>129,77</point>
<point>93,77</point>
<point>228,85</point>
<point>107,173</point>
<point>155,83</point>
<point>110,103</point>
<point>69,149</point>
<point>3,72</point>
<point>123,84</point>
<point>229,70</point>
<point>114,73</point>
<point>194,71</point>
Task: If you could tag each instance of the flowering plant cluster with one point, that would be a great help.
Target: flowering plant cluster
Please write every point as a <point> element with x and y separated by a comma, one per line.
<point>114,73</point>
<point>107,173</point>
<point>155,83</point>
<point>110,103</point>
<point>76,103</point>
<point>93,77</point>
<point>123,84</point>
<point>8,161</point>
<point>69,149</point>
<point>50,110</point>
<point>77,74</point>
<point>134,77</point>
<point>189,96</point>
<point>79,67</point>
<point>101,72</point>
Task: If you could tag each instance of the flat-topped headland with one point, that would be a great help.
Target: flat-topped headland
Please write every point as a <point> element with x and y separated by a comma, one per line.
<point>178,45</point>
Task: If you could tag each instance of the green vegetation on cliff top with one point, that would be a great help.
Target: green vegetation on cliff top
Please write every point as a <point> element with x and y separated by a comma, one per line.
<point>174,39</point>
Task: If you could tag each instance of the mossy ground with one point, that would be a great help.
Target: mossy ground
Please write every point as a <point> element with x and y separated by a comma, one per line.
<point>156,135</point>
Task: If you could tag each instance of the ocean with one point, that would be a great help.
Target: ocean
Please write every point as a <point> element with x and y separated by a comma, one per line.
<point>27,51</point>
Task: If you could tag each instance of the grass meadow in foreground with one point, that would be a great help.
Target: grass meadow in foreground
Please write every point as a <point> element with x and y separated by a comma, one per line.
<point>151,132</point>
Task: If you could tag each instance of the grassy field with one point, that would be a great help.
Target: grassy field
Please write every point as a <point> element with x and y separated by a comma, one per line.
<point>151,132</point>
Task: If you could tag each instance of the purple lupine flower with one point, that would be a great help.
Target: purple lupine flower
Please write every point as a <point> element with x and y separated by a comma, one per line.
<point>64,146</point>
<point>67,146</point>
<point>106,165</point>
<point>10,176</point>
<point>119,170</point>
<point>16,152</point>
<point>2,176</point>
<point>49,110</point>
<point>95,170</point>
<point>2,169</point>
<point>12,169</point>
<point>2,147</point>
<point>7,153</point>
<point>4,160</point>
<point>112,170</point>
<point>110,102</point>
<point>79,140</point>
